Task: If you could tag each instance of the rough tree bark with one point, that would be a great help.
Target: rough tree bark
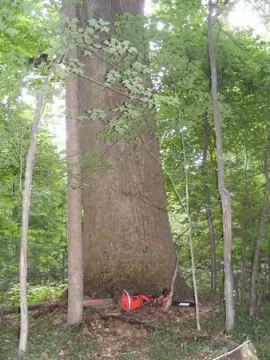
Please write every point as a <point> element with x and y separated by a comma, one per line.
<point>224,194</point>
<point>256,251</point>
<point>208,212</point>
<point>74,195</point>
<point>126,235</point>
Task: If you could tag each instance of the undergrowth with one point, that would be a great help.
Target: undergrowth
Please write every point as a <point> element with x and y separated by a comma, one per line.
<point>35,293</point>
<point>167,344</point>
<point>49,341</point>
<point>46,341</point>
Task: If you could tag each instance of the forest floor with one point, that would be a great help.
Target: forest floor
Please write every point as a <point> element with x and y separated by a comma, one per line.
<point>145,334</point>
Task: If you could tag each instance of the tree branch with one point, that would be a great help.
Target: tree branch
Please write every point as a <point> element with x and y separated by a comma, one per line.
<point>225,356</point>
<point>106,86</point>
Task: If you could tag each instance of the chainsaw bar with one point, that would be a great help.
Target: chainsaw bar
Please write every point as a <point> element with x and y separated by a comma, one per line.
<point>98,302</point>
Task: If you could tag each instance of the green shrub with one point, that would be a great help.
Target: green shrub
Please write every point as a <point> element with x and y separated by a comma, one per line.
<point>35,293</point>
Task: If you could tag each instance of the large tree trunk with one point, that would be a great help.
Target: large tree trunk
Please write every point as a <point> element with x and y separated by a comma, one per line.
<point>224,194</point>
<point>126,234</point>
<point>256,251</point>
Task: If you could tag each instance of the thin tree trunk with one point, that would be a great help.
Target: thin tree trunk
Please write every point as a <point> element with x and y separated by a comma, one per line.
<point>26,198</point>
<point>74,197</point>
<point>224,194</point>
<point>256,251</point>
<point>26,201</point>
<point>236,287</point>
<point>243,268</point>
<point>244,241</point>
<point>193,266</point>
<point>268,269</point>
<point>208,212</point>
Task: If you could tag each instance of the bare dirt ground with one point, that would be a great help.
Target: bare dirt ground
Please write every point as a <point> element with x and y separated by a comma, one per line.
<point>118,333</point>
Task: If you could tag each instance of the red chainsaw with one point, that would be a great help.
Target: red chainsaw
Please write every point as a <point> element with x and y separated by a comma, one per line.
<point>128,301</point>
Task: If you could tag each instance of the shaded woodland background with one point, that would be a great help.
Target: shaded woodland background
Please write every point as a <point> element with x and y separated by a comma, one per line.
<point>180,74</point>
<point>179,59</point>
<point>177,62</point>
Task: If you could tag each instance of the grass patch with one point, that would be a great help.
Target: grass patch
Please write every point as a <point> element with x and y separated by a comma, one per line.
<point>46,342</point>
<point>50,340</point>
<point>257,329</point>
<point>127,357</point>
<point>167,343</point>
